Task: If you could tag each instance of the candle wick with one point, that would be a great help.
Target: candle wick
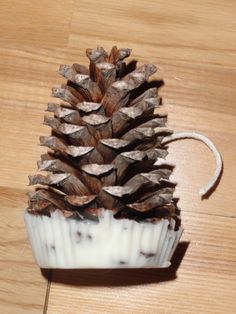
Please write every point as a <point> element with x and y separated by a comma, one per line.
<point>202,138</point>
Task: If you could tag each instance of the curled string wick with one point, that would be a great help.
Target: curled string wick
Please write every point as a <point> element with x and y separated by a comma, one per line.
<point>218,159</point>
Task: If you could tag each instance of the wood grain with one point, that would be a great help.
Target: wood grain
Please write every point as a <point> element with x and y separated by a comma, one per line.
<point>23,288</point>
<point>194,46</point>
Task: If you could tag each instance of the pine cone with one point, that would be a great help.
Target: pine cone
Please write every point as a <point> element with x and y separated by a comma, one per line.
<point>105,144</point>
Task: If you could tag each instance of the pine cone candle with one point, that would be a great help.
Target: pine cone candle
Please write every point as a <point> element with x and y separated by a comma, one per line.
<point>107,201</point>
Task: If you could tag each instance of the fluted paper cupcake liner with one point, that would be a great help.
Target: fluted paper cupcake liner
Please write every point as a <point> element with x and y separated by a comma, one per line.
<point>59,242</point>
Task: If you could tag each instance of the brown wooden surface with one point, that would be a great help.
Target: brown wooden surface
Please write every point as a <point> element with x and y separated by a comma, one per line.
<point>194,45</point>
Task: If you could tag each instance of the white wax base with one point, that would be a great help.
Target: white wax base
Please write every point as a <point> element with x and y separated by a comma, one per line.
<point>58,242</point>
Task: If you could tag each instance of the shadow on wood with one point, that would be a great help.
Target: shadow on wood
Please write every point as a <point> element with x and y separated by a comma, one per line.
<point>117,277</point>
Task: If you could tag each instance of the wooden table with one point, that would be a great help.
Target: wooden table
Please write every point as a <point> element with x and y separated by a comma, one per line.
<point>194,45</point>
